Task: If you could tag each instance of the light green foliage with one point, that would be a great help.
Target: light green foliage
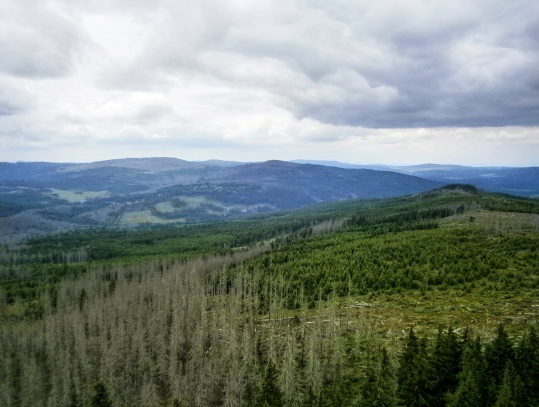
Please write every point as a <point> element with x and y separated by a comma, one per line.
<point>358,263</point>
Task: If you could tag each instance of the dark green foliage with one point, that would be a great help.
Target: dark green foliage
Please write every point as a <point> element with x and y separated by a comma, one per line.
<point>82,299</point>
<point>471,389</point>
<point>74,399</point>
<point>470,189</point>
<point>511,392</point>
<point>178,203</point>
<point>498,354</point>
<point>101,396</point>
<point>445,362</point>
<point>357,263</point>
<point>415,375</point>
<point>357,220</point>
<point>271,395</point>
<point>15,199</point>
<point>527,366</point>
<point>379,389</point>
<point>344,392</point>
<point>415,216</point>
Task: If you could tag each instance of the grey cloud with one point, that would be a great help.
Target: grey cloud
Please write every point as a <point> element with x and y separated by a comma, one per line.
<point>13,99</point>
<point>38,39</point>
<point>435,89</point>
<point>154,113</point>
<point>8,107</point>
<point>392,64</point>
<point>408,69</point>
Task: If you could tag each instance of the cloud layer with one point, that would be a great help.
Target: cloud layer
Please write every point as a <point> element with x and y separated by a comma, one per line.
<point>89,80</point>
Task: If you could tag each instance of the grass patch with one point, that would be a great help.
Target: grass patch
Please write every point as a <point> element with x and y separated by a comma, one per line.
<point>145,216</point>
<point>75,196</point>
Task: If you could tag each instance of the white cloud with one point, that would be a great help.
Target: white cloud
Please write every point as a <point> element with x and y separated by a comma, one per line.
<point>295,79</point>
<point>38,39</point>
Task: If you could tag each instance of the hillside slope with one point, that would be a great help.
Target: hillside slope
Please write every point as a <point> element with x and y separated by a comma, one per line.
<point>45,197</point>
<point>341,304</point>
<point>516,181</point>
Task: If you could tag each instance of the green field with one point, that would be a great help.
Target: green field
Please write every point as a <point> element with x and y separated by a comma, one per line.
<point>76,196</point>
<point>145,216</point>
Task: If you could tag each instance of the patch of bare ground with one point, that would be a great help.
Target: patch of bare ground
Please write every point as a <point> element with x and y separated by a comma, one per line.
<point>391,316</point>
<point>495,221</point>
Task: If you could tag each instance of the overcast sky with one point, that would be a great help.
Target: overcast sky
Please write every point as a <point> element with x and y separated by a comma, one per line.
<point>361,81</point>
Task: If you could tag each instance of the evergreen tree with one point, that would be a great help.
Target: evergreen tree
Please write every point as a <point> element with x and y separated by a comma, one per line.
<point>271,395</point>
<point>414,377</point>
<point>470,389</point>
<point>497,354</point>
<point>380,386</point>
<point>74,400</point>
<point>511,392</point>
<point>527,366</point>
<point>445,362</point>
<point>101,397</point>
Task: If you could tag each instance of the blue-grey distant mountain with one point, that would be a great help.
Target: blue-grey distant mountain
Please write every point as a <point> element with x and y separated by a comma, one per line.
<point>323,183</point>
<point>43,197</point>
<point>153,165</point>
<point>221,163</point>
<point>515,181</point>
<point>522,181</point>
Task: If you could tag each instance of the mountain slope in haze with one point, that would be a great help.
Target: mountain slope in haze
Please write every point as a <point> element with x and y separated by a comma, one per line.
<point>44,197</point>
<point>523,181</point>
<point>516,181</point>
<point>157,164</point>
<point>324,183</point>
<point>162,190</point>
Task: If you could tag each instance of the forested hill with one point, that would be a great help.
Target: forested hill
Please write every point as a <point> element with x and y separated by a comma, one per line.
<point>324,183</point>
<point>429,299</point>
<point>39,198</point>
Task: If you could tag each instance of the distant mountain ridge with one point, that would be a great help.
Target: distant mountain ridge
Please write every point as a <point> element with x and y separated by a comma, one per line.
<point>156,164</point>
<point>40,197</point>
<point>523,181</point>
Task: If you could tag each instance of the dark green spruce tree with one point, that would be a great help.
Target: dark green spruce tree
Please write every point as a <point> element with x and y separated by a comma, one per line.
<point>101,396</point>
<point>527,366</point>
<point>445,362</point>
<point>271,395</point>
<point>380,388</point>
<point>414,375</point>
<point>498,354</point>
<point>470,391</point>
<point>511,392</point>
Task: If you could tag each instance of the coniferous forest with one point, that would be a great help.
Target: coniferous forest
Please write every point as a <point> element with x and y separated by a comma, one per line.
<point>423,300</point>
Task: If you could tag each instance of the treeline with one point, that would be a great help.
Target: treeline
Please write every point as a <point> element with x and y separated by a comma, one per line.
<point>15,199</point>
<point>180,241</point>
<point>28,276</point>
<point>193,215</point>
<point>208,212</point>
<point>421,215</point>
<point>458,370</point>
